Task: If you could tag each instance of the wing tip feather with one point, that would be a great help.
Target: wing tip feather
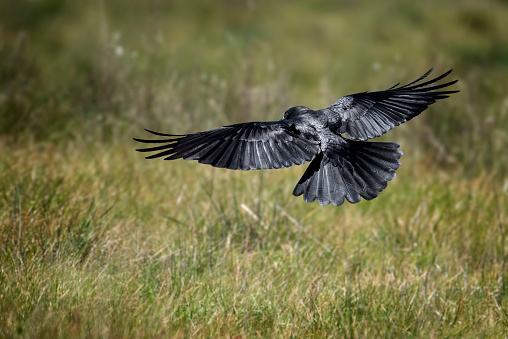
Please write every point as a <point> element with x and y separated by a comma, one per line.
<point>163,134</point>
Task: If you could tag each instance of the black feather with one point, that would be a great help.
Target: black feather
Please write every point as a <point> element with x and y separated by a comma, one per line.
<point>340,169</point>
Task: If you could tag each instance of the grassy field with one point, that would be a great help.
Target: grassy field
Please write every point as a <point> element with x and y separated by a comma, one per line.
<point>95,241</point>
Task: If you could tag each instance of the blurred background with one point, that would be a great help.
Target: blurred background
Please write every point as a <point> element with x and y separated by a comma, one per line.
<point>80,79</point>
<point>102,70</point>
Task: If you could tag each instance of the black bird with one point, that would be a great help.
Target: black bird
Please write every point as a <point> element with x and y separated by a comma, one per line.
<point>341,168</point>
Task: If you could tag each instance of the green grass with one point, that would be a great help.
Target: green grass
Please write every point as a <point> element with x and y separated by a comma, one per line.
<point>95,241</point>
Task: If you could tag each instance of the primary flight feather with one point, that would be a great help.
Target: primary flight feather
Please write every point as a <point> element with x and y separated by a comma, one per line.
<point>341,168</point>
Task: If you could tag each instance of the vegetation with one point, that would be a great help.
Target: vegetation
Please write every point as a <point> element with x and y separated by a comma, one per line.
<point>95,241</point>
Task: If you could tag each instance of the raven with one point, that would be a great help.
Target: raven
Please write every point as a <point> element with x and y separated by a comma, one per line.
<point>341,168</point>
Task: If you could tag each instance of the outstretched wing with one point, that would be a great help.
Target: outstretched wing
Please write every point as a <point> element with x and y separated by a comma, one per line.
<point>248,146</point>
<point>368,115</point>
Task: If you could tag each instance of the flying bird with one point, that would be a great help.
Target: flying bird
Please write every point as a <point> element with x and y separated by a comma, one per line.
<point>341,168</point>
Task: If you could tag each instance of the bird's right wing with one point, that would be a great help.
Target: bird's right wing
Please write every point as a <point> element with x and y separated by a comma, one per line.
<point>368,115</point>
<point>247,146</point>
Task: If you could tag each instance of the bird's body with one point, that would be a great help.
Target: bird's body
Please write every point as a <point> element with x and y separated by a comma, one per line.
<point>341,168</point>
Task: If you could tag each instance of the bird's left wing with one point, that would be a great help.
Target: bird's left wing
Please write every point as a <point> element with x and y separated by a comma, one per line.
<point>247,146</point>
<point>368,115</point>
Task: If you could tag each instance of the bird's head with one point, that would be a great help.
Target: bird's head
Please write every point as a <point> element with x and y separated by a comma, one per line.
<point>294,112</point>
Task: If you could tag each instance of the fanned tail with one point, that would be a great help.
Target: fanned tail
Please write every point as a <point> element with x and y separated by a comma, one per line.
<point>360,170</point>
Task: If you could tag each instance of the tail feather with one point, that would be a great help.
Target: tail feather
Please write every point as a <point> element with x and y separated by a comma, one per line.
<point>339,190</point>
<point>360,170</point>
<point>305,184</point>
<point>321,195</point>
<point>373,183</point>
<point>311,189</point>
<point>352,188</point>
